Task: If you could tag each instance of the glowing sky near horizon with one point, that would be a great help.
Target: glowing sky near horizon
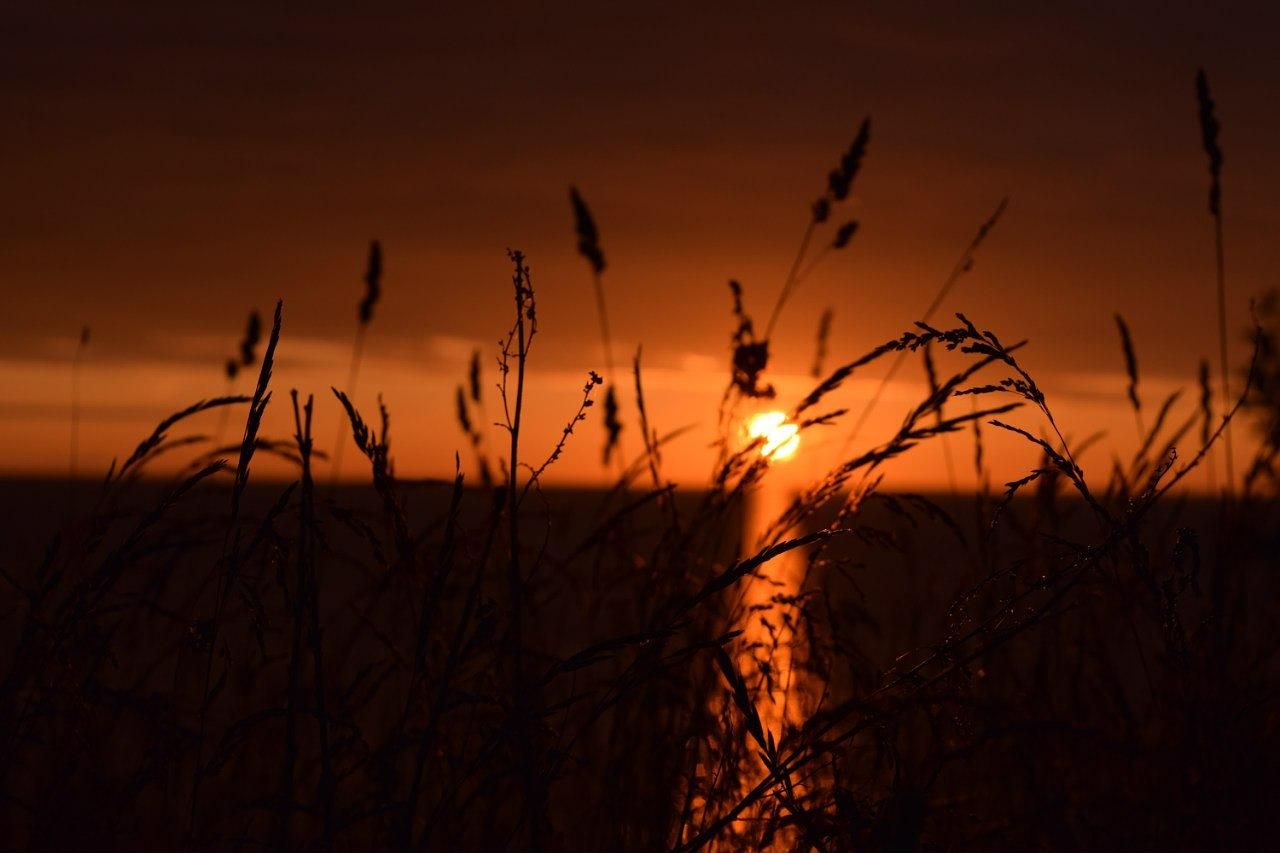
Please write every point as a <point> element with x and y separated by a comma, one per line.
<point>168,170</point>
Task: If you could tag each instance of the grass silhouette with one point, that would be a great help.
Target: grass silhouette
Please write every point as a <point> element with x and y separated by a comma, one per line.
<point>214,663</point>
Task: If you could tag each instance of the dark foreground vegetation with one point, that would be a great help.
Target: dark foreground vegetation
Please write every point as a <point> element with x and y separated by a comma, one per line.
<point>1086,666</point>
<point>1076,661</point>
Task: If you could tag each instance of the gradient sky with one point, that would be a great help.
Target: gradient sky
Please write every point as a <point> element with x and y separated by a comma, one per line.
<point>165,170</point>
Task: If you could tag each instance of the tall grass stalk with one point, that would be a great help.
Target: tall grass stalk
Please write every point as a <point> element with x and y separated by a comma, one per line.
<point>364,313</point>
<point>840,183</point>
<point>523,699</point>
<point>589,247</point>
<point>247,356</point>
<point>228,566</point>
<point>1209,130</point>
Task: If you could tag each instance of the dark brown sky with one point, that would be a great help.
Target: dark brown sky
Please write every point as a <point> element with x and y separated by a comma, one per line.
<point>164,170</point>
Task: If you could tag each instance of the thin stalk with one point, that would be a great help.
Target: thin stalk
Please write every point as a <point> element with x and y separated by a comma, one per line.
<point>520,702</point>
<point>1224,363</point>
<point>454,661</point>
<point>288,783</point>
<point>431,595</point>
<point>513,501</point>
<point>606,337</point>
<point>962,266</point>
<point>228,561</point>
<point>1210,129</point>
<point>309,573</point>
<point>789,284</point>
<point>353,376</point>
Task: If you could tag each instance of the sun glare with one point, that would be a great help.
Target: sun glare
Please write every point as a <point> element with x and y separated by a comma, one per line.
<point>781,438</point>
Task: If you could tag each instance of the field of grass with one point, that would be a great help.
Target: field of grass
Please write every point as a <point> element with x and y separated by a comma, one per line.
<point>1077,660</point>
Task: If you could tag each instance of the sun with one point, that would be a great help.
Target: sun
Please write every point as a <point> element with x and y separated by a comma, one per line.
<point>781,438</point>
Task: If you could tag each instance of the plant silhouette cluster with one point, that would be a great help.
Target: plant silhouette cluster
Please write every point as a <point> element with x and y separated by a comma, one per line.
<point>1085,660</point>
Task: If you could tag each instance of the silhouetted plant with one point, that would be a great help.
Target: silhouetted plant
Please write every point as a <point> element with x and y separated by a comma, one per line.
<point>1209,131</point>
<point>364,313</point>
<point>589,248</point>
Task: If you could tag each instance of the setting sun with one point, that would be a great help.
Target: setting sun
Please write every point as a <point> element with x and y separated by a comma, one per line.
<point>781,438</point>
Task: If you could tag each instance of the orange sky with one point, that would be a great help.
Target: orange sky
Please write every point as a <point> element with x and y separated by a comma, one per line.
<point>165,172</point>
